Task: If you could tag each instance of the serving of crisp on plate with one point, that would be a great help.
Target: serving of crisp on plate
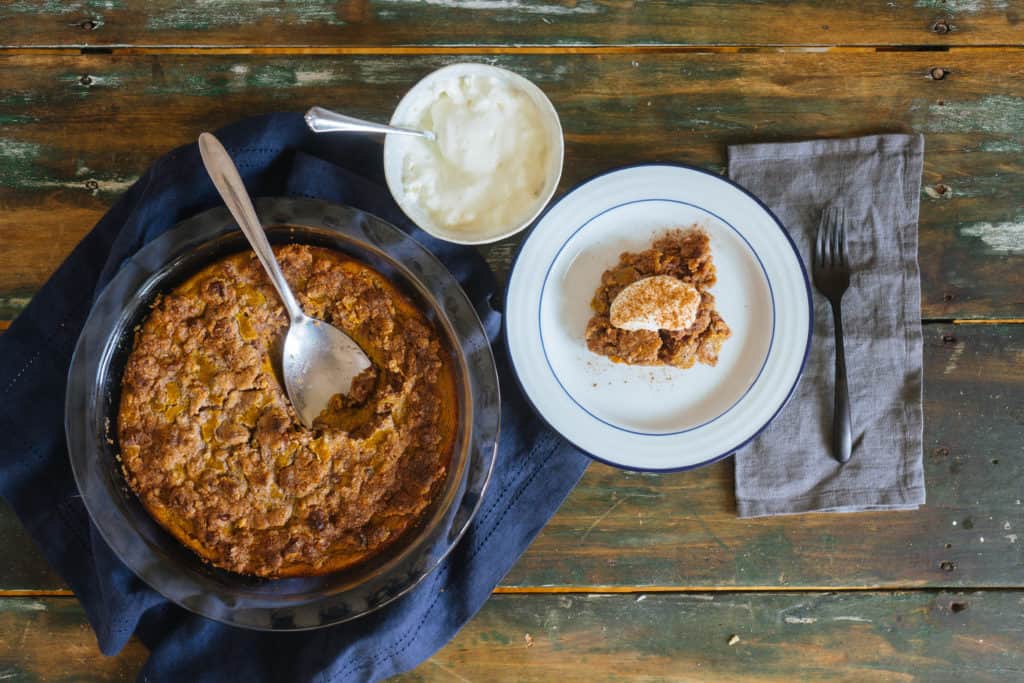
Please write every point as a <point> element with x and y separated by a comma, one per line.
<point>653,414</point>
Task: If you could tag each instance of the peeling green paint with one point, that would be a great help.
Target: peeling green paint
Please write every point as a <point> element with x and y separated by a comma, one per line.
<point>13,119</point>
<point>18,98</point>
<point>13,304</point>
<point>962,5</point>
<point>82,83</point>
<point>207,14</point>
<point>24,605</point>
<point>1006,237</point>
<point>988,186</point>
<point>1009,146</point>
<point>18,162</point>
<point>20,169</point>
<point>13,149</point>
<point>58,6</point>
<point>272,76</point>
<point>221,80</point>
<point>516,6</point>
<point>994,114</point>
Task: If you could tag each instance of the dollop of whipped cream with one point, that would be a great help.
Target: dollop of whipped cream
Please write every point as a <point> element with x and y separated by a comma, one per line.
<point>659,302</point>
<point>489,166</point>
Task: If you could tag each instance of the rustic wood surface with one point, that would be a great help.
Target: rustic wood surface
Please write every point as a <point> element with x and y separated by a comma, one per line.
<point>729,637</point>
<point>434,23</point>
<point>637,576</point>
<point>116,114</point>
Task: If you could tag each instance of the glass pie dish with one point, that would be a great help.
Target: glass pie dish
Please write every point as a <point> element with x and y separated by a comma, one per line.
<point>93,393</point>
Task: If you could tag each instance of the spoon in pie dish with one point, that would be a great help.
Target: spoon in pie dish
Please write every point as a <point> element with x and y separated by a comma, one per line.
<point>320,360</point>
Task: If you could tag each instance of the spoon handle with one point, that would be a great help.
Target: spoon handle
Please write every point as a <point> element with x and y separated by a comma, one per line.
<point>322,120</point>
<point>232,190</point>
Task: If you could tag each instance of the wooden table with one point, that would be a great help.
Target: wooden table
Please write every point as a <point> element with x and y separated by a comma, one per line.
<point>646,576</point>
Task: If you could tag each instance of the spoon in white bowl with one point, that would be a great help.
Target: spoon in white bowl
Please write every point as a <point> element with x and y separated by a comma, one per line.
<point>319,359</point>
<point>322,120</point>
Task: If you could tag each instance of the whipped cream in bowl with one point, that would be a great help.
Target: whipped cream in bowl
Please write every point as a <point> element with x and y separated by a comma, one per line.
<point>496,160</point>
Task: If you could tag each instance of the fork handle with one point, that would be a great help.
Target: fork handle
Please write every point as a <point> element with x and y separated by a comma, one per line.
<point>842,428</point>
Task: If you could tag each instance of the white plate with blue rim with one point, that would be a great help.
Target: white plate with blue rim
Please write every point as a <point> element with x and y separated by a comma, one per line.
<point>658,418</point>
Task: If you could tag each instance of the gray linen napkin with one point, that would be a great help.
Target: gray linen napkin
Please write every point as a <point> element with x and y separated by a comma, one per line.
<point>789,467</point>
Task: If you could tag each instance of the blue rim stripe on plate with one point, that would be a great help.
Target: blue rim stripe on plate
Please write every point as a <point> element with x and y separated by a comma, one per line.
<point>540,308</point>
<point>807,289</point>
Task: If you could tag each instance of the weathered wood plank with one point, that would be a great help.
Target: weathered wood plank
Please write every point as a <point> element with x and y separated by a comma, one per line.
<point>21,559</point>
<point>625,530</point>
<point>77,130</point>
<point>499,22</point>
<point>49,639</point>
<point>783,637</point>
<point>861,636</point>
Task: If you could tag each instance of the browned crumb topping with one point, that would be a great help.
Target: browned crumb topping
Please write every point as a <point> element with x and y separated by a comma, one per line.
<point>685,255</point>
<point>213,449</point>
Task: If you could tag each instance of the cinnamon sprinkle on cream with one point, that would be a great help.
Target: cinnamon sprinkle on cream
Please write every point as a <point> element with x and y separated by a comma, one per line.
<point>660,302</point>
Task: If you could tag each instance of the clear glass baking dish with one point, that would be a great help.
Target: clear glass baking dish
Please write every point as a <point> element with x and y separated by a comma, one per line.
<point>153,554</point>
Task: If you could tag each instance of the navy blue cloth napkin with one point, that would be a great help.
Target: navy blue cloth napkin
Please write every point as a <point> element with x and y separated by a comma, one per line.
<point>277,156</point>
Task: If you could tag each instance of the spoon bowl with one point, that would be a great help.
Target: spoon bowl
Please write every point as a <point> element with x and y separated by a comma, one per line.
<point>319,359</point>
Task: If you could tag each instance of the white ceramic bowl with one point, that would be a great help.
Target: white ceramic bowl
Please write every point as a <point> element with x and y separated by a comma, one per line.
<point>408,112</point>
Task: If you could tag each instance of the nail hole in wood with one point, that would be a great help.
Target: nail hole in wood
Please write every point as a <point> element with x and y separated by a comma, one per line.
<point>938,73</point>
<point>941,27</point>
<point>958,607</point>
<point>947,297</point>
<point>995,461</point>
<point>941,452</point>
<point>948,546</point>
<point>92,185</point>
<point>88,25</point>
<point>85,80</point>
<point>948,339</point>
<point>947,566</point>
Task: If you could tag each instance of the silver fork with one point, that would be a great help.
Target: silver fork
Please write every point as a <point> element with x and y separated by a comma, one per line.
<point>831,272</point>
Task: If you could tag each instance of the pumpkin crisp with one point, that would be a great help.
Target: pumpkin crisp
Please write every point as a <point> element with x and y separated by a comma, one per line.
<point>210,444</point>
<point>684,256</point>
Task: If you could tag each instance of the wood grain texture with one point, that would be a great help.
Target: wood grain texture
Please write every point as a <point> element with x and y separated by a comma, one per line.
<point>627,530</point>
<point>76,131</point>
<point>49,639</point>
<point>860,636</point>
<point>508,22</point>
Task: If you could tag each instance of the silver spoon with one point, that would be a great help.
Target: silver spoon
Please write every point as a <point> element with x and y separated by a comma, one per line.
<point>322,120</point>
<point>319,360</point>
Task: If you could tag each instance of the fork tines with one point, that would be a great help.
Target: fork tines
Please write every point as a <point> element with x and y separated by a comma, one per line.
<point>830,247</point>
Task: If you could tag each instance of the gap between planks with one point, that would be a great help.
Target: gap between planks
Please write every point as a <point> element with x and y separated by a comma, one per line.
<point>1005,321</point>
<point>648,590</point>
<point>723,590</point>
<point>125,49</point>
